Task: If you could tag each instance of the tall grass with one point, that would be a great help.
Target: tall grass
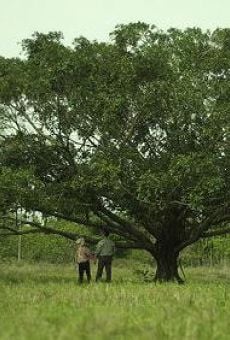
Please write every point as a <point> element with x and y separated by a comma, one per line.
<point>45,302</point>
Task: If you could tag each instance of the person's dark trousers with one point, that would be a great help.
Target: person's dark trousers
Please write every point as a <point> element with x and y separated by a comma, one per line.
<point>84,267</point>
<point>104,262</point>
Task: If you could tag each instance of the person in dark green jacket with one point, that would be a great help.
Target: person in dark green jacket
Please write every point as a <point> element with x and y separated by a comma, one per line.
<point>104,251</point>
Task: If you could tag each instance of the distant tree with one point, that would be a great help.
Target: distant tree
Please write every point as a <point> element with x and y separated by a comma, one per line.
<point>132,135</point>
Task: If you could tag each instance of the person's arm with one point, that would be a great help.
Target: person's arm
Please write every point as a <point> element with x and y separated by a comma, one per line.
<point>88,253</point>
<point>98,248</point>
<point>113,247</point>
<point>76,255</point>
<point>91,256</point>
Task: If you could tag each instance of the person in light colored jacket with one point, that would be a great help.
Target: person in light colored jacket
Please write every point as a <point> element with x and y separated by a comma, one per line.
<point>82,258</point>
<point>105,250</point>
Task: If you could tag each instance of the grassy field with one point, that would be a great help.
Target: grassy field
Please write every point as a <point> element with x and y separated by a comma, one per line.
<point>44,302</point>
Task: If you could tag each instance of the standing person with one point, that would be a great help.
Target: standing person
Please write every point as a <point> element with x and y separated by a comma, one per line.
<point>82,257</point>
<point>104,251</point>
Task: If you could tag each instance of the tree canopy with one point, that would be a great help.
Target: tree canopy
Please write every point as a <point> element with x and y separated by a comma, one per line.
<point>131,134</point>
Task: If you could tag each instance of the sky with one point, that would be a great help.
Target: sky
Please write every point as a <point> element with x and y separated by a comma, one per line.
<point>95,19</point>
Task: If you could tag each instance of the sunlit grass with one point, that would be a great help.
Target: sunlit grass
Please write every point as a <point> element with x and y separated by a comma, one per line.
<point>44,302</point>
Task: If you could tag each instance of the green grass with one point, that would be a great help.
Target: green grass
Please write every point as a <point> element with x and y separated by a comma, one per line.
<point>44,302</point>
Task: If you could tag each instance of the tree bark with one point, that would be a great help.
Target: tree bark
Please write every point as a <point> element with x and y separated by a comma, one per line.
<point>167,265</point>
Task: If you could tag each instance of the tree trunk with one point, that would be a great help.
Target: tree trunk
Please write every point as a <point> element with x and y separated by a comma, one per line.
<point>167,265</point>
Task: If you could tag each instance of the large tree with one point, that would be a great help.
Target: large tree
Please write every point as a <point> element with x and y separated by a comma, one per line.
<point>131,134</point>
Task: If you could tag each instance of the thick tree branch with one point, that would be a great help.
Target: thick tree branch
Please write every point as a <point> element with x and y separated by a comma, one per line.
<point>69,235</point>
<point>217,232</point>
<point>78,220</point>
<point>22,232</point>
<point>211,221</point>
<point>111,221</point>
<point>51,230</point>
<point>114,227</point>
<point>126,225</point>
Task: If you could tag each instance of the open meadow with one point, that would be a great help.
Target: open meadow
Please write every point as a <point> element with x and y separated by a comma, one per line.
<point>43,301</point>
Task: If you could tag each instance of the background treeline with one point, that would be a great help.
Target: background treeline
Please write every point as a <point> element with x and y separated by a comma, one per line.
<point>56,249</point>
